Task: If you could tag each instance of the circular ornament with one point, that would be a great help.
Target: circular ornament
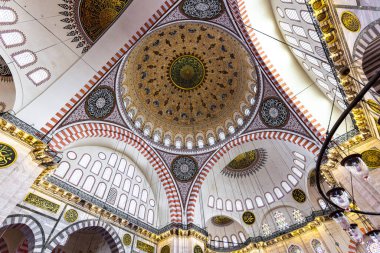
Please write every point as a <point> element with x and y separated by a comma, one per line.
<point>350,21</point>
<point>198,249</point>
<point>371,158</point>
<point>8,155</point>
<point>246,163</point>
<point>274,112</point>
<point>165,249</point>
<point>202,9</point>
<point>248,218</point>
<point>184,168</point>
<point>186,72</point>
<point>100,103</point>
<point>71,215</point>
<point>299,195</point>
<point>221,221</point>
<point>127,240</point>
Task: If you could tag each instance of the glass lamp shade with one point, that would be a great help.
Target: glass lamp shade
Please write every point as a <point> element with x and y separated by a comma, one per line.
<point>341,219</point>
<point>356,165</point>
<point>339,197</point>
<point>355,233</point>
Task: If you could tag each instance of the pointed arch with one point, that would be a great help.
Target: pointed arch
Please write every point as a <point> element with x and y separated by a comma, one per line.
<point>64,137</point>
<point>108,233</point>
<point>297,139</point>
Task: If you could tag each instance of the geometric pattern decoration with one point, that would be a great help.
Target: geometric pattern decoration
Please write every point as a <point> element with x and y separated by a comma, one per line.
<point>71,216</point>
<point>184,168</point>
<point>100,103</point>
<point>246,164</point>
<point>350,21</point>
<point>8,155</point>
<point>42,203</point>
<point>94,225</point>
<point>274,113</point>
<point>299,195</point>
<point>127,239</point>
<point>198,249</point>
<point>371,158</point>
<point>202,9</point>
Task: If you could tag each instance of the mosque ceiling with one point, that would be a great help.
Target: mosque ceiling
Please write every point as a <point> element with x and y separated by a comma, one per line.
<point>188,88</point>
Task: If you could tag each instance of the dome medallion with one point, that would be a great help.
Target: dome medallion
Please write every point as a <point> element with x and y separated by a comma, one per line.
<point>188,87</point>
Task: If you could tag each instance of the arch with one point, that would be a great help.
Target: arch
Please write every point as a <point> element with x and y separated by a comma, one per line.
<point>304,142</point>
<point>88,183</point>
<point>368,35</point>
<point>108,232</point>
<point>31,229</point>
<point>68,135</point>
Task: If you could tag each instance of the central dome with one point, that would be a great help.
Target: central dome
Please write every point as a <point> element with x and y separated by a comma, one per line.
<point>187,72</point>
<point>188,85</point>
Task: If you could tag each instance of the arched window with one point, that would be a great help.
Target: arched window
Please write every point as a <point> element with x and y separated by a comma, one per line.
<point>12,38</point>
<point>136,191</point>
<point>122,165</point>
<point>96,167</point>
<point>100,190</point>
<point>266,229</point>
<point>259,201</point>
<point>132,207</point>
<point>297,172</point>
<point>62,169</point>
<point>131,171</point>
<point>24,58</point>
<point>144,195</point>
<point>242,237</point>
<point>225,242</point>
<point>278,193</point>
<point>229,205</point>
<point>219,204</point>
<point>286,186</point>
<point>298,216</point>
<point>117,180</point>
<point>7,16</point>
<point>280,220</point>
<point>292,180</point>
<point>127,185</point>
<point>113,159</point>
<point>292,14</point>
<point>234,240</point>
<point>299,164</point>
<point>269,198</point>
<point>107,174</point>
<point>85,160</point>
<point>76,177</point>
<point>239,205</point>
<point>122,201</point>
<point>298,155</point>
<point>295,249</point>
<point>141,212</point>
<point>38,76</point>
<point>249,204</point>
<point>216,239</point>
<point>211,200</point>
<point>150,216</point>
<point>322,204</point>
<point>88,184</point>
<point>317,246</point>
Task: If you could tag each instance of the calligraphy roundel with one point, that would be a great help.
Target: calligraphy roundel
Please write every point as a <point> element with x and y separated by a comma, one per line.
<point>248,218</point>
<point>299,195</point>
<point>8,155</point>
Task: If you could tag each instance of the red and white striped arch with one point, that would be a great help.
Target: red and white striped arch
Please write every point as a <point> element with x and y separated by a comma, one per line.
<point>86,130</point>
<point>239,12</point>
<point>301,141</point>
